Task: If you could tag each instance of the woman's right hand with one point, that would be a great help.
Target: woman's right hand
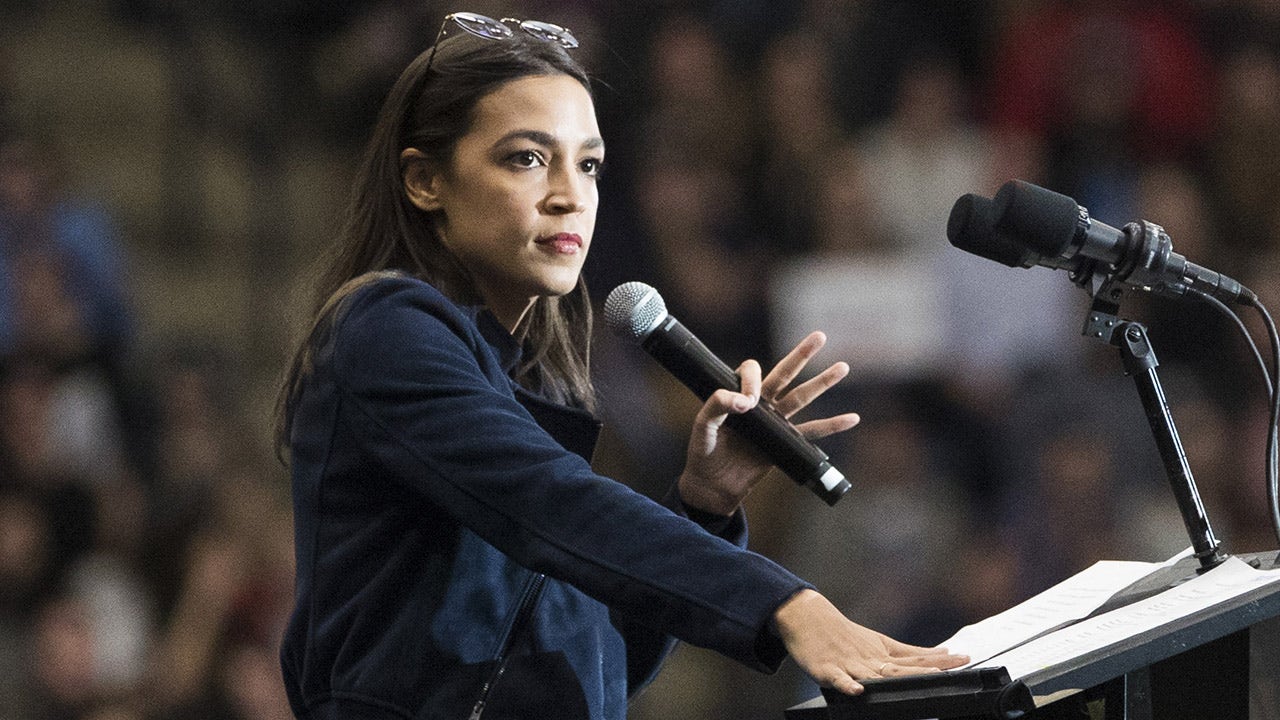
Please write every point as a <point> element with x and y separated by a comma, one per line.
<point>837,652</point>
<point>721,468</point>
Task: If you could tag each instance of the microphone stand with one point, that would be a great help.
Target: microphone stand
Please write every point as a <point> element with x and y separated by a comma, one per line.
<point>1140,363</point>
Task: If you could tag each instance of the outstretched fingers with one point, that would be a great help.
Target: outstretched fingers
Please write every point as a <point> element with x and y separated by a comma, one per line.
<point>789,367</point>
<point>903,659</point>
<point>816,429</point>
<point>915,659</point>
<point>806,392</point>
<point>838,653</point>
<point>834,676</point>
<point>894,669</point>
<point>789,402</point>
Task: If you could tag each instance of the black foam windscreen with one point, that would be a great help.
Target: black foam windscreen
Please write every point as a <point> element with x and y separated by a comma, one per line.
<point>970,228</point>
<point>1042,219</point>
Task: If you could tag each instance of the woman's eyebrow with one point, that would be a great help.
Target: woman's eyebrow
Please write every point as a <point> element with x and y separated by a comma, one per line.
<point>546,139</point>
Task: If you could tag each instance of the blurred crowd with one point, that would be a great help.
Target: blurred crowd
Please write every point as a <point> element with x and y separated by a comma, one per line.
<point>773,168</point>
<point>145,556</point>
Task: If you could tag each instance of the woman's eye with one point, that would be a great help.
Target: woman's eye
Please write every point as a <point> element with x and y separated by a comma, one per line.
<point>592,166</point>
<point>526,159</point>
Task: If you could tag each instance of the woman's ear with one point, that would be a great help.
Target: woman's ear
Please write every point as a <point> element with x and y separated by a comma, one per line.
<point>421,181</point>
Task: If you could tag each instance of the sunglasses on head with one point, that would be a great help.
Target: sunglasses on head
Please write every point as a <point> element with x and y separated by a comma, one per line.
<point>490,29</point>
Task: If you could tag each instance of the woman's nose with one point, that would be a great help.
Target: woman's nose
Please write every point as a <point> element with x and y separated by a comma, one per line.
<point>567,192</point>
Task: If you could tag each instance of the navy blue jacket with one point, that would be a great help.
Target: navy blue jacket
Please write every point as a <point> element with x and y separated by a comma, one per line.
<point>432,494</point>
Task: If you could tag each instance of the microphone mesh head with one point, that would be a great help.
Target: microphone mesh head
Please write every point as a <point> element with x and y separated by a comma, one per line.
<point>633,310</point>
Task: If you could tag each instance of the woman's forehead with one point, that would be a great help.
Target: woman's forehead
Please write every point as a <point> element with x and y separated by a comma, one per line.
<point>554,105</point>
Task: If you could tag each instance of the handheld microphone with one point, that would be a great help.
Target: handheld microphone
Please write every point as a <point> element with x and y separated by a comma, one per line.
<point>636,311</point>
<point>1026,225</point>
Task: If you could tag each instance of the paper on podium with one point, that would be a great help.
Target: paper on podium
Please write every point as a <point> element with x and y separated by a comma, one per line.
<point>1066,602</point>
<point>1232,578</point>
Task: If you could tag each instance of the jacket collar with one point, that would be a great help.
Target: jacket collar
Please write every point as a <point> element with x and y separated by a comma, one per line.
<point>506,347</point>
<point>575,429</point>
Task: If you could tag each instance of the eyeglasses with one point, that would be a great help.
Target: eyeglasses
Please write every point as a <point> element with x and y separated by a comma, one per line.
<point>487,27</point>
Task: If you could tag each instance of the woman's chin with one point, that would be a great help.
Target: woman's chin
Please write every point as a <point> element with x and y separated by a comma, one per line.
<point>560,286</point>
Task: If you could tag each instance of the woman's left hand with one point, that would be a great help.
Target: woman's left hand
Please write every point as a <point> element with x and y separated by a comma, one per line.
<point>721,468</point>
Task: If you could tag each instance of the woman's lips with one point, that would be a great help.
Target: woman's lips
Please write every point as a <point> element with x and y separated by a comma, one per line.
<point>562,243</point>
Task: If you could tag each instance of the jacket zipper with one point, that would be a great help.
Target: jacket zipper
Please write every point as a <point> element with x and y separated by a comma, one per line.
<point>523,613</point>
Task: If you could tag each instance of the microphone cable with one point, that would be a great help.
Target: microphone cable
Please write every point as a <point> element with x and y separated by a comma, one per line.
<point>1273,423</point>
<point>1273,471</point>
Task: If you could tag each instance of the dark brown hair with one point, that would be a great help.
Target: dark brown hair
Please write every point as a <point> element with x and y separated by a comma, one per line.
<point>430,108</point>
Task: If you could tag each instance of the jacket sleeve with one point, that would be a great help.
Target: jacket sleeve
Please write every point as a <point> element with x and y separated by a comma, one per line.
<point>647,648</point>
<point>423,400</point>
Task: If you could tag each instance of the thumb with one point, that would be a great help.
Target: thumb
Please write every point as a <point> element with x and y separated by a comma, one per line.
<point>720,405</point>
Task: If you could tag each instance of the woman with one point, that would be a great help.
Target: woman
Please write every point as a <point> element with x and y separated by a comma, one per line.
<point>457,557</point>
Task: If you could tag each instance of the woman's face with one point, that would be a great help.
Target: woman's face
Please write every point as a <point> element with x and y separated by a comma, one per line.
<point>517,204</point>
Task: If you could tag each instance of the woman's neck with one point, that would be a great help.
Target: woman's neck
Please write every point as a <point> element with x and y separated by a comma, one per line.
<point>510,314</point>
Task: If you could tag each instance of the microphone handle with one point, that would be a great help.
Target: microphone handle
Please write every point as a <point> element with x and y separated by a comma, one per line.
<point>684,356</point>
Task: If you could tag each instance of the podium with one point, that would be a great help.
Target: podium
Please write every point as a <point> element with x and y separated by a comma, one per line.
<point>1193,667</point>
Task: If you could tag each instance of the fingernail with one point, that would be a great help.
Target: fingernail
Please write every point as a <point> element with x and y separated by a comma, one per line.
<point>742,402</point>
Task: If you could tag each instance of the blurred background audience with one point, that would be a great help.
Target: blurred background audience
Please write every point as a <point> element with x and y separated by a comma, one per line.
<point>169,169</point>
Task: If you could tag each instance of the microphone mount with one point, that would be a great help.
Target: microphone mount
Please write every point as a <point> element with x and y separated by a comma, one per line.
<point>1145,268</point>
<point>1025,225</point>
<point>1139,359</point>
